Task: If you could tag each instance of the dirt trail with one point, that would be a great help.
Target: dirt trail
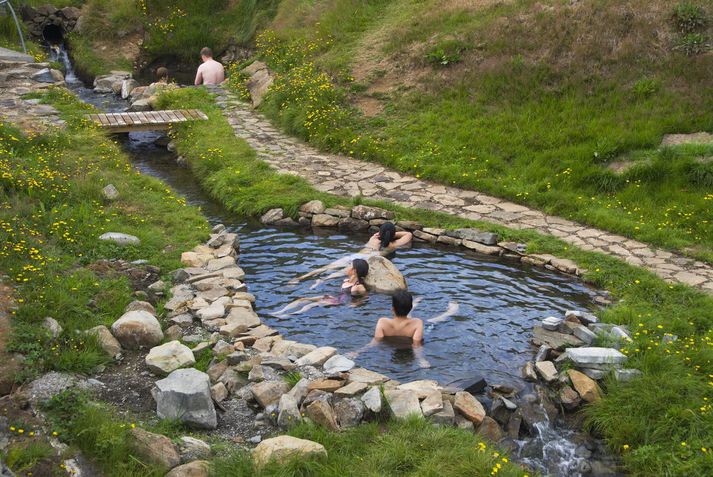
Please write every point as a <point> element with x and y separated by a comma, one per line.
<point>8,364</point>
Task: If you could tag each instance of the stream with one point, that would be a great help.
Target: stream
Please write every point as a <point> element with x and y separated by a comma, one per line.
<point>498,301</point>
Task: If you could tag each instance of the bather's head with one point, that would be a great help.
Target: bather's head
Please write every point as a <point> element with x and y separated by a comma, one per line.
<point>361,268</point>
<point>206,53</point>
<point>162,74</point>
<point>402,303</point>
<point>387,234</point>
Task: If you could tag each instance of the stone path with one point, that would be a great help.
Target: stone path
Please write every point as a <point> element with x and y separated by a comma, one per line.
<point>350,177</point>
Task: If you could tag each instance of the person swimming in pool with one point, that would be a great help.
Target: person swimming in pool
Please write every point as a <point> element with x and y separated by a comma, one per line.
<point>385,241</point>
<point>388,239</point>
<point>352,286</point>
<point>403,328</point>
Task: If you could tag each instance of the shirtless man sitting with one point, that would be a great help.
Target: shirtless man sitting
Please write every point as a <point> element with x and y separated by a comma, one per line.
<point>400,325</point>
<point>211,71</point>
<point>399,328</point>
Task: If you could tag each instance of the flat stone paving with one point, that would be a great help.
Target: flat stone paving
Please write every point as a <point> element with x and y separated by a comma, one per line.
<point>350,177</point>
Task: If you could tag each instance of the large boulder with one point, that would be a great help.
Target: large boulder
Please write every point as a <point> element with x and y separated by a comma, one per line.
<point>469,407</point>
<point>403,403</point>
<point>260,81</point>
<point>585,386</point>
<point>185,395</point>
<point>137,328</point>
<point>282,448</point>
<point>169,357</point>
<point>383,276</point>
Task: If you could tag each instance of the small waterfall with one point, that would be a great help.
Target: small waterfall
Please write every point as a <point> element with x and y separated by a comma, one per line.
<point>59,54</point>
<point>552,450</point>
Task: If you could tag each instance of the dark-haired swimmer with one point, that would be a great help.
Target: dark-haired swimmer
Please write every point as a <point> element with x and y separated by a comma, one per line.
<point>388,238</point>
<point>352,286</point>
<point>400,328</point>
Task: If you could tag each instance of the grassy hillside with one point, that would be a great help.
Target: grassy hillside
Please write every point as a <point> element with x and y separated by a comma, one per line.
<point>533,101</point>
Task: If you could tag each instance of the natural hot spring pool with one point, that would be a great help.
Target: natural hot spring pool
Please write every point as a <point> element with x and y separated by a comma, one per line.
<point>499,302</point>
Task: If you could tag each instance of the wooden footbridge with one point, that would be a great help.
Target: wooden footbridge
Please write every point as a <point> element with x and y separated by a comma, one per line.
<point>145,121</point>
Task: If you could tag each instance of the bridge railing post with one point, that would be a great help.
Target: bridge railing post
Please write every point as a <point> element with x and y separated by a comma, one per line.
<point>7,4</point>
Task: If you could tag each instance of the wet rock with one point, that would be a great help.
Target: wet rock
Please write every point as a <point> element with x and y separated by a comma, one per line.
<point>585,386</point>
<point>490,429</point>
<point>272,216</point>
<point>469,406</point>
<point>528,372</point>
<point>367,213</point>
<point>317,356</point>
<point>338,364</point>
<point>553,339</point>
<point>383,276</point>
<point>185,395</point>
<point>197,468</point>
<point>551,323</point>
<point>168,357</point>
<point>269,392</point>
<point>282,448</point>
<point>289,411</point>
<point>547,370</point>
<point>500,411</point>
<point>569,398</point>
<point>322,414</point>
<point>513,427</point>
<point>47,75</point>
<point>192,449</point>
<point>106,340</point>
<point>403,403</point>
<point>110,192</point>
<point>155,448</point>
<point>137,328</point>
<point>532,413</point>
<point>120,238</point>
<point>542,353</point>
<point>475,385</point>
<point>349,412</point>
<point>324,220</point>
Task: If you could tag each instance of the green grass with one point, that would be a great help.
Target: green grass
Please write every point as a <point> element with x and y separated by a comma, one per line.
<point>24,456</point>
<point>413,448</point>
<point>95,429</point>
<point>640,414</point>
<point>531,127</point>
<point>52,212</point>
<point>88,63</point>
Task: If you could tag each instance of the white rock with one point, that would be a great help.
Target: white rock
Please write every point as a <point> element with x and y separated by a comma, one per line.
<point>53,326</point>
<point>168,357</point>
<point>432,404</point>
<point>338,364</point>
<point>422,388</point>
<point>316,357</point>
<point>215,310</point>
<point>137,328</point>
<point>372,400</point>
<point>551,323</point>
<point>110,192</point>
<point>594,355</point>
<point>119,238</point>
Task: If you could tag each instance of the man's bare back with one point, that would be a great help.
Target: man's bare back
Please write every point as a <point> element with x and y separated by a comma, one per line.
<point>400,327</point>
<point>211,71</point>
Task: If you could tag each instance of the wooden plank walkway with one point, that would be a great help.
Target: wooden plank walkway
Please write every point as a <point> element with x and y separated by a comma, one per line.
<point>146,120</point>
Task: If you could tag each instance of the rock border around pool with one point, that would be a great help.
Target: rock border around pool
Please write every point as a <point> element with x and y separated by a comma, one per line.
<point>362,218</point>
